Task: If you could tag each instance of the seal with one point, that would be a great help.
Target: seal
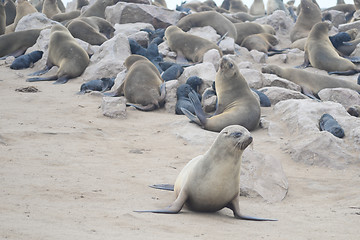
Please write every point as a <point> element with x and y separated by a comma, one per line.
<point>249,28</point>
<point>160,3</point>
<point>61,17</point>
<point>257,8</point>
<point>262,42</point>
<point>23,8</point>
<point>310,14</point>
<point>10,10</point>
<point>65,53</point>
<point>354,110</point>
<point>182,99</point>
<point>27,60</point>
<point>234,6</point>
<point>273,5</point>
<point>16,43</point>
<point>50,8</point>
<point>172,72</point>
<point>211,182</point>
<point>2,18</point>
<point>100,85</point>
<point>311,83</point>
<point>329,124</point>
<point>236,102</point>
<point>190,46</point>
<point>142,87</point>
<point>98,8</point>
<point>214,19</point>
<point>81,3</point>
<point>321,54</point>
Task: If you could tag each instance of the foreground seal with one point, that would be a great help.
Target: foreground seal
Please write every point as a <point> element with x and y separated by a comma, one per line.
<point>237,104</point>
<point>16,43</point>
<point>65,53</point>
<point>311,83</point>
<point>211,182</point>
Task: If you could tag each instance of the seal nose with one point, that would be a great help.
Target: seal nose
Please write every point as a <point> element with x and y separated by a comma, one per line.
<point>246,143</point>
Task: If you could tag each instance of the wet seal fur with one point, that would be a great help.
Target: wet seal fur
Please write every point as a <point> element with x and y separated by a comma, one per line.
<point>143,86</point>
<point>190,46</point>
<point>100,85</point>
<point>329,124</point>
<point>211,182</point>
<point>27,60</point>
<point>65,53</point>
<point>236,103</point>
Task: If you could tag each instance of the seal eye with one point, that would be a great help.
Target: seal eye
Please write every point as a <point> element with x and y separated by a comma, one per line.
<point>236,134</point>
<point>231,65</point>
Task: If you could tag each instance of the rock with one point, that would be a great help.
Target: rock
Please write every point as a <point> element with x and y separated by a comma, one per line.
<point>212,56</point>
<point>206,71</point>
<point>259,57</point>
<point>299,119</point>
<point>34,21</point>
<point>279,21</point>
<point>347,26</point>
<point>277,94</point>
<point>272,80</point>
<point>207,32</point>
<point>114,107</point>
<point>120,77</point>
<point>244,65</point>
<point>356,52</point>
<point>130,13</point>
<point>227,45</point>
<point>337,17</point>
<point>253,77</point>
<point>262,174</point>
<point>108,60</point>
<point>131,28</point>
<point>141,38</point>
<point>344,96</point>
<point>170,99</point>
<point>164,48</point>
<point>9,60</point>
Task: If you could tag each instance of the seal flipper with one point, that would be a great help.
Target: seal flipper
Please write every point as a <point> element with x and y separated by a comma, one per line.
<point>148,107</point>
<point>167,187</point>
<point>197,107</point>
<point>38,79</point>
<point>234,206</point>
<point>345,73</point>
<point>174,208</point>
<point>353,59</point>
<point>40,72</point>
<point>191,116</point>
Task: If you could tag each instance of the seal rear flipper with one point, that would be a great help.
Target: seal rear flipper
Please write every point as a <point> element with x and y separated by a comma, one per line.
<point>62,80</point>
<point>353,59</point>
<point>197,107</point>
<point>148,107</point>
<point>309,93</point>
<point>191,116</point>
<point>276,51</point>
<point>234,206</point>
<point>38,79</point>
<point>345,73</point>
<point>40,72</point>
<point>167,187</point>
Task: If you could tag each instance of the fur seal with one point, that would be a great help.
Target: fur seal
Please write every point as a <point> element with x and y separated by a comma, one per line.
<point>236,102</point>
<point>345,8</point>
<point>2,18</point>
<point>91,29</point>
<point>273,5</point>
<point>101,85</point>
<point>61,17</point>
<point>172,72</point>
<point>354,110</point>
<point>214,19</point>
<point>50,8</point>
<point>262,42</point>
<point>98,8</point>
<point>16,43</point>
<point>182,99</point>
<point>248,28</point>
<point>27,60</point>
<point>211,182</point>
<point>143,86</point>
<point>310,14</point>
<point>311,83</point>
<point>188,45</point>
<point>349,47</point>
<point>23,8</point>
<point>257,8</point>
<point>81,3</point>
<point>234,6</point>
<point>65,53</point>
<point>321,54</point>
<point>10,10</point>
<point>329,124</point>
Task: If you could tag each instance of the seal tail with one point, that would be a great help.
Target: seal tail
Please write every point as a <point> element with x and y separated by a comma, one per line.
<point>148,107</point>
<point>167,187</point>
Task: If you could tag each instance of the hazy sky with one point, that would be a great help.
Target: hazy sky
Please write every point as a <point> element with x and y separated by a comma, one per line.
<point>323,3</point>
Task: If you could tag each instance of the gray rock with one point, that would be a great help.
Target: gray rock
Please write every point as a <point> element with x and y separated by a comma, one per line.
<point>131,28</point>
<point>299,119</point>
<point>244,65</point>
<point>277,94</point>
<point>120,77</point>
<point>281,22</point>
<point>253,77</point>
<point>262,174</point>
<point>207,32</point>
<point>259,57</point>
<point>209,104</point>
<point>131,13</point>
<point>272,80</point>
<point>356,52</point>
<point>34,21</point>
<point>344,96</point>
<point>227,45</point>
<point>141,38</point>
<point>347,26</point>
<point>108,60</point>
<point>337,17</point>
<point>212,56</point>
<point>114,107</point>
<point>170,99</point>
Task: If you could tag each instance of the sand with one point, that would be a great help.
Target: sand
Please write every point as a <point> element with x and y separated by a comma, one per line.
<point>68,172</point>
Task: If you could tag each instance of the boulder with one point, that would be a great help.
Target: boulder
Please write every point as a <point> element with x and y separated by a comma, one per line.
<point>34,21</point>
<point>347,26</point>
<point>253,77</point>
<point>344,96</point>
<point>281,22</point>
<point>277,94</point>
<point>209,33</point>
<point>259,57</point>
<point>131,28</point>
<point>212,56</point>
<point>272,80</point>
<point>170,100</point>
<point>114,107</point>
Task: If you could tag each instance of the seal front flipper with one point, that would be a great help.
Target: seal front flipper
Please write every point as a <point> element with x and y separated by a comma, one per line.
<point>234,206</point>
<point>40,72</point>
<point>167,187</point>
<point>174,208</point>
<point>38,79</point>
<point>197,107</point>
<point>191,116</point>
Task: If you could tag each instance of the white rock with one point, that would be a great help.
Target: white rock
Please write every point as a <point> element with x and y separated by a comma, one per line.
<point>34,21</point>
<point>279,21</point>
<point>114,107</point>
<point>253,77</point>
<point>212,56</point>
<point>272,80</point>
<point>131,28</point>
<point>207,32</point>
<point>170,100</point>
<point>277,94</point>
<point>344,96</point>
<point>259,57</point>
<point>227,45</point>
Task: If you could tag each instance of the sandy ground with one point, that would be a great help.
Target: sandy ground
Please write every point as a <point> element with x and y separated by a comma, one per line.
<point>68,172</point>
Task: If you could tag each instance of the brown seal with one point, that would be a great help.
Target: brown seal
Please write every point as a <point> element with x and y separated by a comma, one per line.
<point>311,83</point>
<point>248,28</point>
<point>211,182</point>
<point>214,19</point>
<point>236,103</point>
<point>91,29</point>
<point>10,10</point>
<point>257,8</point>
<point>65,53</point>
<point>321,54</point>
<point>190,46</point>
<point>16,43</point>
<point>50,8</point>
<point>81,3</point>
<point>2,18</point>
<point>300,44</point>
<point>61,17</point>
<point>262,42</point>
<point>98,8</point>
<point>234,6</point>
<point>143,86</point>
<point>310,14</point>
<point>345,8</point>
<point>23,8</point>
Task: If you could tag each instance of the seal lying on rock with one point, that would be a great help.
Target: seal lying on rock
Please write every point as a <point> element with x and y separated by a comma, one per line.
<point>329,124</point>
<point>211,182</point>
<point>236,102</point>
